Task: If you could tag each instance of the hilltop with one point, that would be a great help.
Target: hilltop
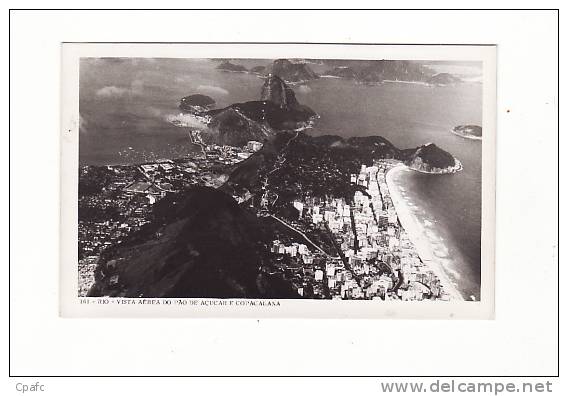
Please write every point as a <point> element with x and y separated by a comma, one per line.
<point>201,244</point>
<point>276,91</point>
<point>233,126</point>
<point>300,164</point>
<point>429,158</point>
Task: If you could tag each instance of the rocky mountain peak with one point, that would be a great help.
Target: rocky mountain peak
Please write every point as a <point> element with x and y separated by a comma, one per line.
<point>276,91</point>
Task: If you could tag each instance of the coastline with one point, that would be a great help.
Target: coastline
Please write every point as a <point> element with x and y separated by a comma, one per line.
<point>417,235</point>
<point>471,137</point>
<point>408,82</point>
<point>458,167</point>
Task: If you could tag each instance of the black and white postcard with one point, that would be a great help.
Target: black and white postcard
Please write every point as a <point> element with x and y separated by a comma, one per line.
<point>273,180</point>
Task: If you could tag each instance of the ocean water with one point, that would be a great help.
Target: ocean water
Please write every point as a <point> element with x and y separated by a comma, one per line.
<point>124,105</point>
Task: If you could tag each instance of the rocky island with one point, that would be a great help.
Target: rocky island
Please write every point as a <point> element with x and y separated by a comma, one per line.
<point>468,131</point>
<point>231,67</point>
<point>443,79</point>
<point>196,104</point>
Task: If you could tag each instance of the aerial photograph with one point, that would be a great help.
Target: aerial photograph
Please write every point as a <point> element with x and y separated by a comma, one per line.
<point>321,179</point>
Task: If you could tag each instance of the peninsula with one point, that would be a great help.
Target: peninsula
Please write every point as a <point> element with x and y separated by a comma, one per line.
<point>429,158</point>
<point>468,131</point>
<point>277,110</point>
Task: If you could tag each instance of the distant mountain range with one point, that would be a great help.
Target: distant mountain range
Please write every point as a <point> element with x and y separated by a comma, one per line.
<point>291,72</point>
<point>232,67</point>
<point>363,71</point>
<point>342,72</point>
<point>376,71</point>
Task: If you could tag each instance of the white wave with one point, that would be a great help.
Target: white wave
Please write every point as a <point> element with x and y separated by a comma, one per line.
<point>187,120</point>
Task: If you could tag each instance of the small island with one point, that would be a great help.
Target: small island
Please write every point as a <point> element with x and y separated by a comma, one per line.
<point>231,67</point>
<point>196,104</point>
<point>468,131</point>
<point>442,79</point>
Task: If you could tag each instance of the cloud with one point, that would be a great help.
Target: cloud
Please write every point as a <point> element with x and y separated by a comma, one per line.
<point>111,92</point>
<point>181,79</point>
<point>136,88</point>
<point>82,124</point>
<point>212,90</point>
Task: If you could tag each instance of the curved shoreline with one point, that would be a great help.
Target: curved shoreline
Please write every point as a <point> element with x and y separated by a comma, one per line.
<point>416,234</point>
<point>471,137</point>
<point>458,167</point>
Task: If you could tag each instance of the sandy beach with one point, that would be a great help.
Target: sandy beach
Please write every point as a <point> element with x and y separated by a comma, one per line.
<point>407,82</point>
<point>432,255</point>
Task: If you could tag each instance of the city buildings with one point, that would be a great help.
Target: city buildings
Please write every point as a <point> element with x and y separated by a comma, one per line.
<point>339,248</point>
<point>376,258</point>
